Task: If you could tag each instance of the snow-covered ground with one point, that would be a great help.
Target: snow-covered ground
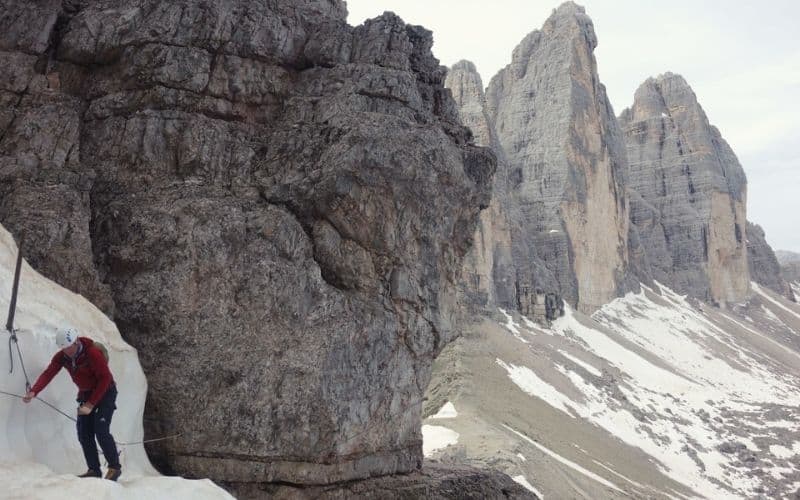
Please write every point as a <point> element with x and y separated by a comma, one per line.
<point>39,450</point>
<point>706,398</point>
<point>437,437</point>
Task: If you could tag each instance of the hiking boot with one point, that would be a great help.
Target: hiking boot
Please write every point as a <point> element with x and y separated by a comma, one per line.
<point>91,473</point>
<point>113,474</point>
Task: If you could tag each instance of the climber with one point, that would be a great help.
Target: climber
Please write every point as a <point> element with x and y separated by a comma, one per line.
<point>97,394</point>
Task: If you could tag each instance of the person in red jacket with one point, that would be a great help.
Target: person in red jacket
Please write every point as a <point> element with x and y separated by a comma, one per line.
<point>97,395</point>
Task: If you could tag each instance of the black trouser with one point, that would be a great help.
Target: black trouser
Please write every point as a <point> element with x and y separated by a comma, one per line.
<point>98,424</point>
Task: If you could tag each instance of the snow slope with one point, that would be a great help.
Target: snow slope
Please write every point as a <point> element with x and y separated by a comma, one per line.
<point>654,395</point>
<point>39,451</point>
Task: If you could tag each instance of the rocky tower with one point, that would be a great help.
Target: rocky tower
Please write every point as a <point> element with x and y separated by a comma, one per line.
<point>691,210</point>
<point>274,206</point>
<point>466,86</point>
<point>763,264</point>
<point>563,156</point>
<point>488,276</point>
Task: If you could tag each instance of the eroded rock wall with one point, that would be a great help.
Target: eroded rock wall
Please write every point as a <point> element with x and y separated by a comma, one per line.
<point>273,205</point>
<point>690,208</point>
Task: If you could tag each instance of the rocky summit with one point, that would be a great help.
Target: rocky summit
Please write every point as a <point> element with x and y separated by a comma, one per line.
<point>271,204</point>
<point>691,193</point>
<point>565,158</point>
<point>561,162</point>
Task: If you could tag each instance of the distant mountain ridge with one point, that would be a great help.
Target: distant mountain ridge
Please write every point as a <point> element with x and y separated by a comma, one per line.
<point>643,384</point>
<point>586,204</point>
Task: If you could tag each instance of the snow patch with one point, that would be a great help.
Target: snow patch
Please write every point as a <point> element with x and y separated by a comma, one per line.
<point>674,371</point>
<point>586,366</point>
<point>446,411</point>
<point>531,384</point>
<point>609,469</point>
<point>781,451</point>
<point>436,437</point>
<point>512,326</point>
<point>568,463</point>
<point>771,315</point>
<point>528,486</point>
<point>765,295</point>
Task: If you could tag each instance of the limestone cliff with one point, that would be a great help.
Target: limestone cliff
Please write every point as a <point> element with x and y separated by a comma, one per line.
<point>690,208</point>
<point>561,159</point>
<point>273,205</point>
<point>488,274</point>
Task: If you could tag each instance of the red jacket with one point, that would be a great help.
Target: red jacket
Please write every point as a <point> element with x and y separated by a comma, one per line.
<point>90,373</point>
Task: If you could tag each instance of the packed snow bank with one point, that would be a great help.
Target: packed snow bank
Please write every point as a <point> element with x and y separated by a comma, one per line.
<point>39,449</point>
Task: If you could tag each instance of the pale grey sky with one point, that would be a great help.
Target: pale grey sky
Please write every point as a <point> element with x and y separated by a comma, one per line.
<point>741,58</point>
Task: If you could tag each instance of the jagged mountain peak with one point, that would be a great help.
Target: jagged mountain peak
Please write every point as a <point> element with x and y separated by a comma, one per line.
<point>568,23</point>
<point>662,94</point>
<point>466,87</point>
<point>464,65</point>
<point>563,180</point>
<point>464,82</point>
<point>691,215</point>
<point>668,77</point>
<point>569,8</point>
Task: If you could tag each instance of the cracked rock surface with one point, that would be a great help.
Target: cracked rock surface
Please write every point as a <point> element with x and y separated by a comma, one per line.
<point>272,205</point>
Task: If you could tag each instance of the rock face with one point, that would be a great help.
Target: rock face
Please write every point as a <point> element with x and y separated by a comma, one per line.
<point>561,160</point>
<point>488,275</point>
<point>690,208</point>
<point>762,263</point>
<point>273,205</point>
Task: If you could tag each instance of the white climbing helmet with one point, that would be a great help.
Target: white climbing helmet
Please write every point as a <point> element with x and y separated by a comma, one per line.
<point>66,337</point>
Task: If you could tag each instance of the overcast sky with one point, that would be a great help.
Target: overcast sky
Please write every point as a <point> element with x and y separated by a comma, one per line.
<point>741,58</point>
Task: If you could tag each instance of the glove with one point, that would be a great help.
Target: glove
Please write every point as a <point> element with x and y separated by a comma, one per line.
<point>85,409</point>
<point>28,396</point>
